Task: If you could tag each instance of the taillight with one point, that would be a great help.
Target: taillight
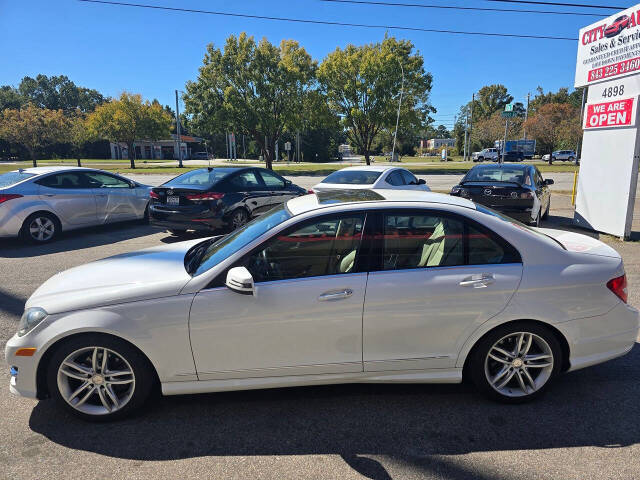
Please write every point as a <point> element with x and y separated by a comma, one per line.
<point>310,191</point>
<point>618,286</point>
<point>526,195</point>
<point>8,196</point>
<point>205,196</point>
<point>154,195</point>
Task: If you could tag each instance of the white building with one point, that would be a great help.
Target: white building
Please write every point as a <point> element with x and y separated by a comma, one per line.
<point>435,143</point>
<point>156,150</point>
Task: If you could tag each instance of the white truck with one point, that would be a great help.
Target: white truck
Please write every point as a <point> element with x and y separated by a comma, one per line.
<point>485,154</point>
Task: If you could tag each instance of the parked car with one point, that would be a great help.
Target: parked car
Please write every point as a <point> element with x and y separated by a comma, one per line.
<point>213,199</point>
<point>485,154</point>
<point>562,155</point>
<point>512,156</point>
<point>40,203</point>
<point>200,156</point>
<point>368,177</point>
<point>336,287</point>
<point>516,190</point>
<point>617,26</point>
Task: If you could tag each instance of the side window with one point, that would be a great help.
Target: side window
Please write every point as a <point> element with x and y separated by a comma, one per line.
<point>409,178</point>
<point>67,180</point>
<point>245,180</point>
<point>421,240</point>
<point>539,179</point>
<point>395,179</point>
<point>271,180</point>
<point>102,180</point>
<point>325,247</point>
<point>483,249</point>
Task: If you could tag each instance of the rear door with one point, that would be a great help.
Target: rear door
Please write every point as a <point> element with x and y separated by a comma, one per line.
<point>437,278</point>
<point>69,195</point>
<point>116,200</point>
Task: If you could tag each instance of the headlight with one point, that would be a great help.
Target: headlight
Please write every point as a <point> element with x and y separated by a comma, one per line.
<point>455,190</point>
<point>30,318</point>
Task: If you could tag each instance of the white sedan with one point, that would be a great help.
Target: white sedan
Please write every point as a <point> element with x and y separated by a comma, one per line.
<point>372,177</point>
<point>451,288</point>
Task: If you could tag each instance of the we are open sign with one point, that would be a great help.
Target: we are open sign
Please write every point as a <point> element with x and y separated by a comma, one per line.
<point>619,113</point>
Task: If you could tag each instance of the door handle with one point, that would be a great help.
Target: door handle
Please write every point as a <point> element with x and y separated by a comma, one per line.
<point>49,194</point>
<point>481,280</point>
<point>346,293</point>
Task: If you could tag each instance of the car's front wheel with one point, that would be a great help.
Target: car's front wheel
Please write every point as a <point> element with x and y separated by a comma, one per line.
<point>98,377</point>
<point>515,363</point>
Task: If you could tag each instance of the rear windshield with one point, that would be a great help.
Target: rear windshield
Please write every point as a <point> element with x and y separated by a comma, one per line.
<point>352,177</point>
<point>11,178</point>
<point>496,174</point>
<point>198,178</point>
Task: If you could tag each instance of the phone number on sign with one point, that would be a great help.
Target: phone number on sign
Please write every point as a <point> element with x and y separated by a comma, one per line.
<point>616,69</point>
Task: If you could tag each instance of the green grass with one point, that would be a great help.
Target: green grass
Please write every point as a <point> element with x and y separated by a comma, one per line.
<point>315,169</point>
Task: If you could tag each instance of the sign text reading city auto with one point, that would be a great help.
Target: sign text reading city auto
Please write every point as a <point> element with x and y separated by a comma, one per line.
<point>610,48</point>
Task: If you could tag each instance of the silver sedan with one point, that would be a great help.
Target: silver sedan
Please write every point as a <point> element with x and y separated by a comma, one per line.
<point>39,203</point>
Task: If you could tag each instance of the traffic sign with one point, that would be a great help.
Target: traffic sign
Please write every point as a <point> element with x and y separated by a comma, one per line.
<point>509,114</point>
<point>287,146</point>
<point>508,107</point>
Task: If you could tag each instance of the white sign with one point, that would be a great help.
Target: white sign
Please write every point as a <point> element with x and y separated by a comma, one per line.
<point>614,114</point>
<point>609,48</point>
<point>287,146</point>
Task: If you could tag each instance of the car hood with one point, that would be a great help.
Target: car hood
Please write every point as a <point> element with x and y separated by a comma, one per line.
<point>578,243</point>
<point>151,273</point>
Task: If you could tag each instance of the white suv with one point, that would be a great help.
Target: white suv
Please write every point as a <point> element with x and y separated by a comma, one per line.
<point>486,154</point>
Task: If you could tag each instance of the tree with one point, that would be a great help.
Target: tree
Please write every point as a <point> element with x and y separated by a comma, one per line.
<point>442,132</point>
<point>555,125</point>
<point>33,128</point>
<point>363,86</point>
<point>128,119</point>
<point>79,134</point>
<point>10,98</point>
<point>58,92</point>
<point>490,99</point>
<point>487,131</point>
<point>255,89</point>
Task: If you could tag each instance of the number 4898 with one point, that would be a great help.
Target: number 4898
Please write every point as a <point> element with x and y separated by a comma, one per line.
<point>613,91</point>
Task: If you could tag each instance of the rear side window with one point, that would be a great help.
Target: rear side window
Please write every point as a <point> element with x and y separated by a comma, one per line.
<point>352,177</point>
<point>246,180</point>
<point>395,179</point>
<point>11,178</point>
<point>409,178</point>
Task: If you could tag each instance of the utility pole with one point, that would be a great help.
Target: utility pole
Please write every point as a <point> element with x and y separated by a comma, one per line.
<point>244,151</point>
<point>298,147</point>
<point>526,116</point>
<point>178,132</point>
<point>395,133</point>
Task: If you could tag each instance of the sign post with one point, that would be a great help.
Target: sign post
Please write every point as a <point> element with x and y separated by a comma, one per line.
<point>608,63</point>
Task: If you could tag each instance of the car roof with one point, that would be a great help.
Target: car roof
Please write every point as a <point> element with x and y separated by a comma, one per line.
<point>318,200</point>
<point>522,166</point>
<point>368,168</point>
<point>43,170</point>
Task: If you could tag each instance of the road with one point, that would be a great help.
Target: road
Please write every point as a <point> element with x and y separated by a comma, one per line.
<point>586,427</point>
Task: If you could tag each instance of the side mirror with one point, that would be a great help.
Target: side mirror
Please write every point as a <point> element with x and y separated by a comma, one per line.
<point>287,182</point>
<point>239,280</point>
<point>548,181</point>
<point>422,181</point>
<point>132,185</point>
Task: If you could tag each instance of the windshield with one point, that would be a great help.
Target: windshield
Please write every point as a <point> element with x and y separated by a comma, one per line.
<point>198,178</point>
<point>352,177</point>
<point>230,244</point>
<point>496,174</point>
<point>521,226</point>
<point>11,178</point>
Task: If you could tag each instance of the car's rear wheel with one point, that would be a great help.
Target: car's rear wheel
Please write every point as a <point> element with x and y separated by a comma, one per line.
<point>238,218</point>
<point>572,160</point>
<point>98,377</point>
<point>515,363</point>
<point>40,227</point>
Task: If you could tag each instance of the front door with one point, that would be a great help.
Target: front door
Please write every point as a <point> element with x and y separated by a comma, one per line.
<point>439,278</point>
<point>277,187</point>
<point>306,315</point>
<point>70,197</point>
<point>116,201</point>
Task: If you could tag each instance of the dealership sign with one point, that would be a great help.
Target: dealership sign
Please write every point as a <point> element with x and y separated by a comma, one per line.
<point>619,113</point>
<point>609,48</point>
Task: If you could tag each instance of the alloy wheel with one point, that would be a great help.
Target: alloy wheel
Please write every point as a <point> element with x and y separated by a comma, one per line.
<point>519,364</point>
<point>239,219</point>
<point>96,380</point>
<point>42,229</point>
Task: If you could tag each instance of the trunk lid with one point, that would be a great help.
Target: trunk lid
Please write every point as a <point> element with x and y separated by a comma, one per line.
<point>578,243</point>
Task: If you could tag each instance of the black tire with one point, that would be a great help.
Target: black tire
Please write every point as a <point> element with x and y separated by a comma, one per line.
<point>176,232</point>
<point>476,362</point>
<point>144,374</point>
<point>238,218</point>
<point>481,159</point>
<point>45,219</point>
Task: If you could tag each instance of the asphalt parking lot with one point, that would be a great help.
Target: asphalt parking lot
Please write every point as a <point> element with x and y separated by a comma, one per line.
<point>585,427</point>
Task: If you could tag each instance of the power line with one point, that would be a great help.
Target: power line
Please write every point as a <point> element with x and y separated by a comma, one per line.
<point>560,4</point>
<point>326,22</point>
<point>450,7</point>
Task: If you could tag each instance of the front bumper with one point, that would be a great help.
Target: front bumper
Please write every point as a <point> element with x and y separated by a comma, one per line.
<point>23,369</point>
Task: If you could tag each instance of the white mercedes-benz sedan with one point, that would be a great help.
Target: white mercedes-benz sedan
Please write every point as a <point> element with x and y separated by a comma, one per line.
<point>335,287</point>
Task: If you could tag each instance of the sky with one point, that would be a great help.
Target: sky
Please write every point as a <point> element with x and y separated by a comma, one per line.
<point>154,52</point>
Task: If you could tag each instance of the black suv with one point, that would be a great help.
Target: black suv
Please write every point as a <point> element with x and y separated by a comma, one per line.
<point>218,198</point>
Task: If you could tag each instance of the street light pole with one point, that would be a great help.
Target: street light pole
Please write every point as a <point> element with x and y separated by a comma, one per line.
<point>178,132</point>
<point>395,134</point>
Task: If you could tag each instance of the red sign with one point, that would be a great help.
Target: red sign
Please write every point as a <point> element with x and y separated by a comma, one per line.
<point>614,70</point>
<point>618,113</point>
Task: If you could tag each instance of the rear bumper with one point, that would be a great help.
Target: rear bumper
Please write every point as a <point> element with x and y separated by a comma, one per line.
<point>203,220</point>
<point>598,339</point>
